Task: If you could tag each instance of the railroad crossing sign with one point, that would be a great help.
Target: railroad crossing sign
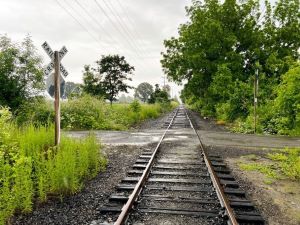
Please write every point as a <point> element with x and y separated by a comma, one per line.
<point>55,64</point>
<point>50,85</point>
<point>48,69</point>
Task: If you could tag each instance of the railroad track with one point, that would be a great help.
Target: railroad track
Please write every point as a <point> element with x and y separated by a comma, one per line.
<point>179,183</point>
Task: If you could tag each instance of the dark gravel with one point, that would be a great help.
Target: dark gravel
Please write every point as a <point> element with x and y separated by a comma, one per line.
<point>83,207</point>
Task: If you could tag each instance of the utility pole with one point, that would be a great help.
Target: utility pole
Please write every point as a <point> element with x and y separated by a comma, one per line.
<point>255,98</point>
<point>164,77</point>
<point>57,96</point>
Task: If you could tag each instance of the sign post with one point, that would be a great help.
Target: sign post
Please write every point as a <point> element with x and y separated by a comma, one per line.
<point>57,97</point>
<point>55,64</point>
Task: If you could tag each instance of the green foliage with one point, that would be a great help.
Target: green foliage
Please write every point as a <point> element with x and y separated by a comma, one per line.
<point>159,96</point>
<point>31,167</point>
<point>35,111</point>
<point>84,113</point>
<point>21,73</point>
<point>268,170</point>
<point>143,91</point>
<point>285,164</point>
<point>72,90</point>
<point>92,82</point>
<point>288,162</point>
<point>87,112</point>
<point>108,79</point>
<point>287,102</point>
<point>135,106</point>
<point>220,48</point>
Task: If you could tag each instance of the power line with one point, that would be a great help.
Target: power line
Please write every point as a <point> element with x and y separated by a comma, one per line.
<point>126,13</point>
<point>97,22</point>
<point>116,27</point>
<point>77,21</point>
<point>121,23</point>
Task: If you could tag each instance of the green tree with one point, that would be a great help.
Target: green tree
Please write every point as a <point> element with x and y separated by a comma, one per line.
<point>21,75</point>
<point>287,103</point>
<point>158,96</point>
<point>115,71</point>
<point>143,91</point>
<point>92,82</point>
<point>72,89</point>
<point>222,45</point>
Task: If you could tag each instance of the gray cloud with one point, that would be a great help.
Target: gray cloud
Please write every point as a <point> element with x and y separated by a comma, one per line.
<point>151,21</point>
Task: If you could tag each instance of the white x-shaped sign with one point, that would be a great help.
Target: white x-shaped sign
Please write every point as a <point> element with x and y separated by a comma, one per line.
<point>63,51</point>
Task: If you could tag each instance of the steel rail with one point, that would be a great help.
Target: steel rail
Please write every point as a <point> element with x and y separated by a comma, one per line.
<point>139,186</point>
<point>216,183</point>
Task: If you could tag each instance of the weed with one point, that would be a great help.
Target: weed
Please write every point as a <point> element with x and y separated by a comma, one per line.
<point>31,167</point>
<point>268,170</point>
<point>285,164</point>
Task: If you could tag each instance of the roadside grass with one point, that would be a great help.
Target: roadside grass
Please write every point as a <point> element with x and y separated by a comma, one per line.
<point>91,113</point>
<point>32,169</point>
<point>280,165</point>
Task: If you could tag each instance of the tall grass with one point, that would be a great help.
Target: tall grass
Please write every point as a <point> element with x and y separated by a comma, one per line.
<point>31,168</point>
<point>86,113</point>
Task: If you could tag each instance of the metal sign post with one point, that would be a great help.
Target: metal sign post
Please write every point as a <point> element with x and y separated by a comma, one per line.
<point>58,67</point>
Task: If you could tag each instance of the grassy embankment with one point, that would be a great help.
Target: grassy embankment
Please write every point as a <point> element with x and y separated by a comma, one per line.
<point>32,168</point>
<point>86,113</point>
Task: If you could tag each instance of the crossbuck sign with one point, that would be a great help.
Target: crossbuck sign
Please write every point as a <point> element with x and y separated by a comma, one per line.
<point>55,64</point>
<point>48,69</point>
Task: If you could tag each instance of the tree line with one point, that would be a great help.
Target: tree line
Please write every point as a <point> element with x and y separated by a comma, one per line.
<point>22,79</point>
<point>222,46</point>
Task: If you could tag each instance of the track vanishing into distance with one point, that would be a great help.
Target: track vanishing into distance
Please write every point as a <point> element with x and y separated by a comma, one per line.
<point>179,183</point>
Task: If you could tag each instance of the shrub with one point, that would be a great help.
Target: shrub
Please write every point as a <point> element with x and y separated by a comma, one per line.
<point>83,113</point>
<point>135,106</point>
<point>89,113</point>
<point>36,111</point>
<point>32,167</point>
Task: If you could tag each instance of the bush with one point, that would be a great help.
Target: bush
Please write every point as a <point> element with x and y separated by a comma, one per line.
<point>91,113</point>
<point>33,168</point>
<point>84,113</point>
<point>287,103</point>
<point>36,111</point>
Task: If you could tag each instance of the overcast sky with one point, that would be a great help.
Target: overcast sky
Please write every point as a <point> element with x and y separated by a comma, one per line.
<point>91,28</point>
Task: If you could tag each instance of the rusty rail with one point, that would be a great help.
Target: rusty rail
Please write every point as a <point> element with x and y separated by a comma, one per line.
<point>216,183</point>
<point>139,186</point>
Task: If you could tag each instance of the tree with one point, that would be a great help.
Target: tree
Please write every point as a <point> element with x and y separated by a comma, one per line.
<point>21,75</point>
<point>143,91</point>
<point>72,89</point>
<point>222,45</point>
<point>167,88</point>
<point>115,71</point>
<point>287,103</point>
<point>158,96</point>
<point>92,82</point>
